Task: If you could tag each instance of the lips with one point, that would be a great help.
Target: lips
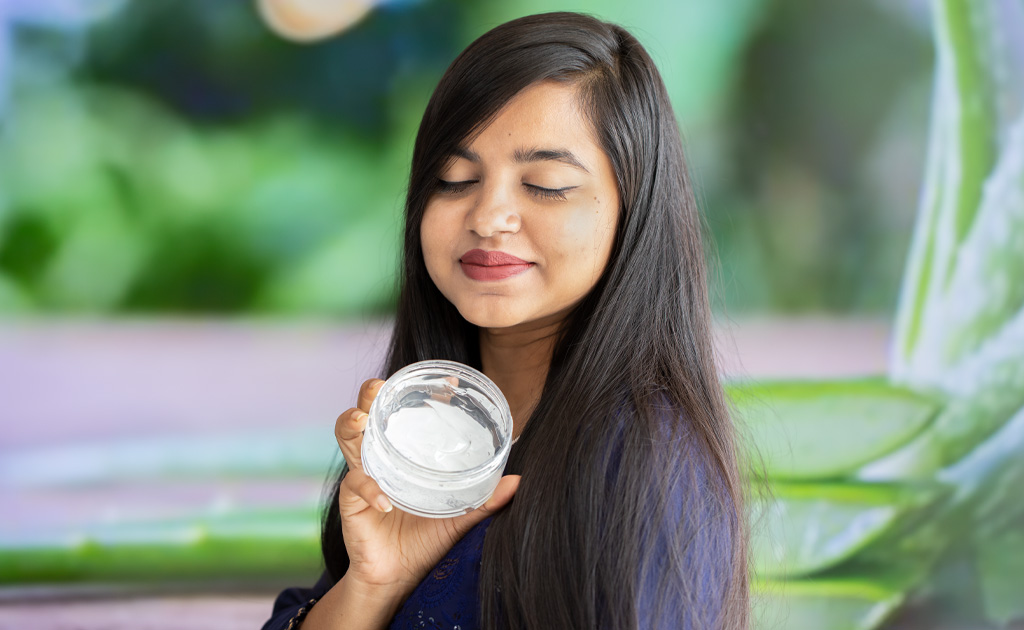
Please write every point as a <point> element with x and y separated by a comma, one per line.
<point>478,264</point>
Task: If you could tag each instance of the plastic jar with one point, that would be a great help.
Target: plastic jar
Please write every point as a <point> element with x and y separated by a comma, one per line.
<point>437,439</point>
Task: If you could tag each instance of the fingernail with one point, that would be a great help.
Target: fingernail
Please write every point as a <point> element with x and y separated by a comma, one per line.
<point>383,503</point>
<point>377,385</point>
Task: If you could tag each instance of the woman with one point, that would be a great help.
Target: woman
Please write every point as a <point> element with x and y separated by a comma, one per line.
<point>552,240</point>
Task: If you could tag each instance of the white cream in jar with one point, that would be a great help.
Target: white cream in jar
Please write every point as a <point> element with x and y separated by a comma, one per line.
<point>438,438</point>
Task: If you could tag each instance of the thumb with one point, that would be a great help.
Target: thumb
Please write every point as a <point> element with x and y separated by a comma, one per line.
<point>499,498</point>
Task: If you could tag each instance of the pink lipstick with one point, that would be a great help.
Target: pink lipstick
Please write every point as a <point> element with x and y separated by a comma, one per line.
<point>490,266</point>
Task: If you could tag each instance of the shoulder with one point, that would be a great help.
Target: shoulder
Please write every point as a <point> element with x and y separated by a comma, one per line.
<point>661,457</point>
<point>672,444</point>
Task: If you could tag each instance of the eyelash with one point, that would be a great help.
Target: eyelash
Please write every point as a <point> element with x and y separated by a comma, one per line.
<point>454,188</point>
<point>548,193</point>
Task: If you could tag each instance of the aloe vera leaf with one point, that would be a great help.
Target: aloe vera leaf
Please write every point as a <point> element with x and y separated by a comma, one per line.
<point>920,536</point>
<point>918,459</point>
<point>855,598</point>
<point>990,479</point>
<point>205,559</point>
<point>243,545</point>
<point>811,527</point>
<point>962,149</point>
<point>986,390</point>
<point>299,452</point>
<point>984,499</point>
<point>814,430</point>
<point>1000,565</point>
<point>964,28</point>
<point>930,451</point>
<point>986,288</point>
<point>917,278</point>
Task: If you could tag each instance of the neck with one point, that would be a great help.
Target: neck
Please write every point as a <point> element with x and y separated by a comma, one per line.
<point>517,359</point>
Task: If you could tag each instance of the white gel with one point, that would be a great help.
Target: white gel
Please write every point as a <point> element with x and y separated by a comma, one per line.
<point>439,436</point>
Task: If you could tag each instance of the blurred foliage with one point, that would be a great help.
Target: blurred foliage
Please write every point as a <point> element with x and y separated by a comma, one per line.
<point>182,158</point>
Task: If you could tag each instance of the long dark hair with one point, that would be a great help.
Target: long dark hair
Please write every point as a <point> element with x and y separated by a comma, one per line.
<point>631,498</point>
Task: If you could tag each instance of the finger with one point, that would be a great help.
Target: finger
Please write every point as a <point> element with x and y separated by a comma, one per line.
<point>502,494</point>
<point>357,492</point>
<point>350,424</point>
<point>368,392</point>
<point>348,430</point>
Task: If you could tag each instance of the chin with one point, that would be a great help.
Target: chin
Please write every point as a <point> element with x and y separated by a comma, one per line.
<point>488,316</point>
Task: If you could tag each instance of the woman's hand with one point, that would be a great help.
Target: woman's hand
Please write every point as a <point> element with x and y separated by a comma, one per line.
<point>388,548</point>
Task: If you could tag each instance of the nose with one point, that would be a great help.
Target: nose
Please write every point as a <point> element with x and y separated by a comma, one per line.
<point>494,213</point>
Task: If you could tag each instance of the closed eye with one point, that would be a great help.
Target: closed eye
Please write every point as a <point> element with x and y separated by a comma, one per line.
<point>454,188</point>
<point>548,193</point>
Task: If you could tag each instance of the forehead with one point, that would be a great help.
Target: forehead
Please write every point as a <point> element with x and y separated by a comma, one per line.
<point>541,115</point>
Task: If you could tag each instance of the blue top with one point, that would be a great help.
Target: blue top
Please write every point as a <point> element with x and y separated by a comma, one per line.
<point>447,597</point>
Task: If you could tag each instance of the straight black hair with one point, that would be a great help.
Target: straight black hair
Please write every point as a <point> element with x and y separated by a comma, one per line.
<point>630,512</point>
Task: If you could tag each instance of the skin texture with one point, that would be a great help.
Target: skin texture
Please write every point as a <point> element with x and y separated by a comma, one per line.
<point>497,204</point>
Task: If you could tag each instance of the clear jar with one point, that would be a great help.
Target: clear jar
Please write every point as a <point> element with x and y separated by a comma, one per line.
<point>437,439</point>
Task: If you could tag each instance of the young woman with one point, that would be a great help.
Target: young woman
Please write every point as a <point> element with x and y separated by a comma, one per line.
<point>552,241</point>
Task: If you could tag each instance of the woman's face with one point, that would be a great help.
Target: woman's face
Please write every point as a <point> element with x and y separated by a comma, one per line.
<point>521,225</point>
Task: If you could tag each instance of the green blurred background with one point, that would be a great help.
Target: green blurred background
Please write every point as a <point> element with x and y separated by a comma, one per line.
<point>192,164</point>
<point>180,157</point>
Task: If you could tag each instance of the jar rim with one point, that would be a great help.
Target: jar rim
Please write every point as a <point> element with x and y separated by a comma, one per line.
<point>462,371</point>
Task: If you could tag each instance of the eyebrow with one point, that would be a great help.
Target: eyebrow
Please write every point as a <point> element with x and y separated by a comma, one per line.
<point>524,156</point>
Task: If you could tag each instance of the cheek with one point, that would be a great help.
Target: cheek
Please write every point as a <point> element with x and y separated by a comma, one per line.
<point>432,241</point>
<point>438,228</point>
<point>586,237</point>
<point>590,231</point>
